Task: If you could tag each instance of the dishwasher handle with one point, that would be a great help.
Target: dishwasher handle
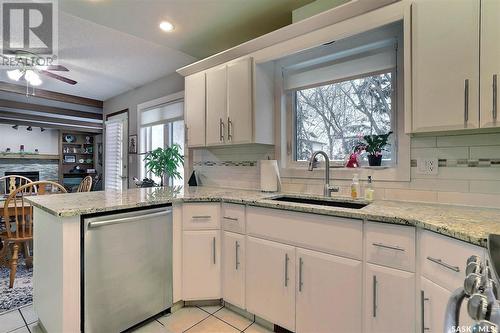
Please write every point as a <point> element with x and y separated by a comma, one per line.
<point>98,224</point>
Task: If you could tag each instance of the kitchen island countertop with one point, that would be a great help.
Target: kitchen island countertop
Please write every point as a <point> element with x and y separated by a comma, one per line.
<point>470,224</point>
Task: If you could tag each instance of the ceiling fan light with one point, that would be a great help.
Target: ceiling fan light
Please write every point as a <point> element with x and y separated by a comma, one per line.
<point>35,81</point>
<point>14,74</point>
<point>31,76</point>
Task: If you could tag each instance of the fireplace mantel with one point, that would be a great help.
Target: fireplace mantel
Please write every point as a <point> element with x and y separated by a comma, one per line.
<point>14,156</point>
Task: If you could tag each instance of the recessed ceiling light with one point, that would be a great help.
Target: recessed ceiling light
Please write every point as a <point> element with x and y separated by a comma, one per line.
<point>166,26</point>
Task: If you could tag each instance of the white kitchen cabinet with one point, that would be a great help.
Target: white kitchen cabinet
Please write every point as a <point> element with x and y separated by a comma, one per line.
<point>389,300</point>
<point>216,106</point>
<point>270,281</point>
<point>490,62</point>
<point>233,271</point>
<point>201,265</point>
<point>239,101</point>
<point>194,108</point>
<point>433,304</point>
<point>445,65</point>
<point>329,297</point>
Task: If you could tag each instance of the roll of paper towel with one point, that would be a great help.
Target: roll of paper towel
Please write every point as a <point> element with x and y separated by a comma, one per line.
<point>269,176</point>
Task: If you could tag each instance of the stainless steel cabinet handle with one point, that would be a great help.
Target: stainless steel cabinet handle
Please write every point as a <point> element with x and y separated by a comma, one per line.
<point>213,247</point>
<point>197,217</point>
<point>237,247</point>
<point>466,100</point>
<point>229,129</point>
<point>422,308</point>
<point>374,309</point>
<point>495,97</point>
<point>286,269</point>
<point>230,218</point>
<point>391,247</point>
<point>442,263</point>
<point>97,224</point>
<point>221,130</point>
<point>301,283</point>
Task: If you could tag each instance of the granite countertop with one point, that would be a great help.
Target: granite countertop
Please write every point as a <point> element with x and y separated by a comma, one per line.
<point>469,224</point>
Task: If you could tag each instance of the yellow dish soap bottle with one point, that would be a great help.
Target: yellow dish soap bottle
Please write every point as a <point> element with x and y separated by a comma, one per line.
<point>355,187</point>
<point>369,191</point>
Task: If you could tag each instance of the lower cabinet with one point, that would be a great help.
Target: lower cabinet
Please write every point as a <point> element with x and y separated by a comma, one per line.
<point>201,265</point>
<point>270,281</point>
<point>329,297</point>
<point>390,300</point>
<point>433,303</point>
<point>233,268</point>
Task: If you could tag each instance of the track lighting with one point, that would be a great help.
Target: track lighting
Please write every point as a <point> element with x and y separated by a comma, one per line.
<point>15,127</point>
<point>42,129</point>
<point>29,128</point>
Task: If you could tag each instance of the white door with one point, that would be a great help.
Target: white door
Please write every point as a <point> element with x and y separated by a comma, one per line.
<point>201,265</point>
<point>216,106</point>
<point>329,296</point>
<point>195,109</point>
<point>270,281</point>
<point>115,152</point>
<point>389,300</point>
<point>233,271</point>
<point>490,62</point>
<point>239,98</point>
<point>445,64</point>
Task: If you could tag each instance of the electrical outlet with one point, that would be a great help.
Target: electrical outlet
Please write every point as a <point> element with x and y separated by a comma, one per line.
<point>427,166</point>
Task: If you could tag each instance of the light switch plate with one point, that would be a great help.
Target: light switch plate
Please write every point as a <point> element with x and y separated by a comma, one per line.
<point>427,166</point>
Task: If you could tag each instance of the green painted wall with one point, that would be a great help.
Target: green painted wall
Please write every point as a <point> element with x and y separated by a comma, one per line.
<point>314,8</point>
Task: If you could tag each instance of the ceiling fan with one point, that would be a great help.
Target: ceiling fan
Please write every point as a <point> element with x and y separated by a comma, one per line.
<point>28,68</point>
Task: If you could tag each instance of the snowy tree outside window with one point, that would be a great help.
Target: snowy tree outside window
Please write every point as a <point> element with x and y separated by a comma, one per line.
<point>332,117</point>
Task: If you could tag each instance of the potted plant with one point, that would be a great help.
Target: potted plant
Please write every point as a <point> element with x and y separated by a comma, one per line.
<point>374,144</point>
<point>164,162</point>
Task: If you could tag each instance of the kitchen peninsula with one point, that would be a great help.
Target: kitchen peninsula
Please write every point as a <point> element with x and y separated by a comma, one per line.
<point>60,240</point>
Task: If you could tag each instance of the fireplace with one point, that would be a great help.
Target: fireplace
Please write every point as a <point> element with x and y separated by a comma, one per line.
<point>32,175</point>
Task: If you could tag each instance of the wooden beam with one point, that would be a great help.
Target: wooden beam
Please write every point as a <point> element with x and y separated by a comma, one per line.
<point>55,126</point>
<point>48,109</point>
<point>47,120</point>
<point>52,95</point>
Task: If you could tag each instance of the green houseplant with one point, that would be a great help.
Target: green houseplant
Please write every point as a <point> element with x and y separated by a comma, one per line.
<point>373,145</point>
<point>164,162</point>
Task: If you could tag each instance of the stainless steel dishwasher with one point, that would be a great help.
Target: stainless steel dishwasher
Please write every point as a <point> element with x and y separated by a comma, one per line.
<point>127,268</point>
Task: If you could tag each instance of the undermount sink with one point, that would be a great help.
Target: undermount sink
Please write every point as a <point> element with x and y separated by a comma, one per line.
<point>322,202</point>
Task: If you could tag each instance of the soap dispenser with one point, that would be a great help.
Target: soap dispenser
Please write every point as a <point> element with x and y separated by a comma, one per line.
<point>355,189</point>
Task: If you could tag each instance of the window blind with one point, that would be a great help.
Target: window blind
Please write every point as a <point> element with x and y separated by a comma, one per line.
<point>114,155</point>
<point>351,66</point>
<point>162,113</point>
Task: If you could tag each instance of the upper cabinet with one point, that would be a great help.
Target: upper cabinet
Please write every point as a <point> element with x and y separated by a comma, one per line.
<point>445,65</point>
<point>490,62</point>
<point>455,64</point>
<point>194,109</point>
<point>239,105</point>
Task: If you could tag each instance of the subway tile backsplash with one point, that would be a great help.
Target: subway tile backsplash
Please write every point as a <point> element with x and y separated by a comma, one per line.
<point>469,171</point>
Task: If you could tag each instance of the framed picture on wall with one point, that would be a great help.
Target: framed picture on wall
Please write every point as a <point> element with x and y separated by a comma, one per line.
<point>132,144</point>
<point>69,158</point>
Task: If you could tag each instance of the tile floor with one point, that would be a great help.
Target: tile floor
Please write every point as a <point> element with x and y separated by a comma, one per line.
<point>205,319</point>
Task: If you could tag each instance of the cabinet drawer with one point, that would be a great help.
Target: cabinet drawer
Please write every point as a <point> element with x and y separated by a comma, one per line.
<point>443,259</point>
<point>390,245</point>
<point>336,235</point>
<point>233,218</point>
<point>201,216</point>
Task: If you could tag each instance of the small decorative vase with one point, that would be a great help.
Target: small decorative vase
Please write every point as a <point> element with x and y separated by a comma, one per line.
<point>374,160</point>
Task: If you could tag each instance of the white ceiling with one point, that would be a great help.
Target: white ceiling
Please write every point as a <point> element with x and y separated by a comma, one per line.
<point>112,46</point>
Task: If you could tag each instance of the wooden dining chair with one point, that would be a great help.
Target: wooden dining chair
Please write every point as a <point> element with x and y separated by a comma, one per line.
<point>18,217</point>
<point>11,183</point>
<point>85,184</point>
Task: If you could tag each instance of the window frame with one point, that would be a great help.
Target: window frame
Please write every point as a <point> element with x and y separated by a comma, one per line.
<point>292,119</point>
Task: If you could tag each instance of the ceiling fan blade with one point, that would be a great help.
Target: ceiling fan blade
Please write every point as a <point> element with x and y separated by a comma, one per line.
<point>57,68</point>
<point>58,77</point>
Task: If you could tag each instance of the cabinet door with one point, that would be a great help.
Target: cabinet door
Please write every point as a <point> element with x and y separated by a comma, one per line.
<point>445,65</point>
<point>329,293</point>
<point>240,101</point>
<point>194,106</point>
<point>201,265</point>
<point>490,62</point>
<point>270,281</point>
<point>389,300</point>
<point>216,106</point>
<point>233,271</point>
